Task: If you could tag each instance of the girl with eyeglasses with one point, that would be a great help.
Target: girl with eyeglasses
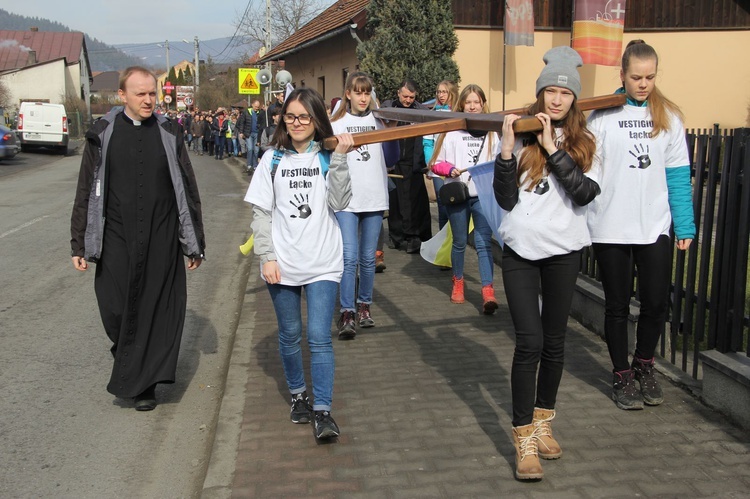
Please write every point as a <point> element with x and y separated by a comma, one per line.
<point>362,220</point>
<point>446,96</point>
<point>298,187</point>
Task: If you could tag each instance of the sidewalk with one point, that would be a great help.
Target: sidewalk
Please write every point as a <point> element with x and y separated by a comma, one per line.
<point>423,402</point>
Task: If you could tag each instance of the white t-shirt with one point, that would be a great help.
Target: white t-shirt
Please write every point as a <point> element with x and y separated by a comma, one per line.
<point>545,222</point>
<point>633,207</point>
<point>462,150</point>
<point>304,230</point>
<point>366,166</point>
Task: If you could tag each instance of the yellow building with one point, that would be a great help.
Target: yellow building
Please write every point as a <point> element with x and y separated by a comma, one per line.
<point>703,67</point>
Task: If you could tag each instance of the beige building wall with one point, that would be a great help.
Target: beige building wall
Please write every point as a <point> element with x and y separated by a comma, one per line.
<point>707,73</point>
<point>322,66</point>
<point>43,81</point>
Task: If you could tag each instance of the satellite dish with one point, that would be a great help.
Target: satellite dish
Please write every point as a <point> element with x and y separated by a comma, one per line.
<point>263,77</point>
<point>283,77</point>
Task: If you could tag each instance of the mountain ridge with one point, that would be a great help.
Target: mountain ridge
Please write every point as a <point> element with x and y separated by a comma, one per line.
<point>106,57</point>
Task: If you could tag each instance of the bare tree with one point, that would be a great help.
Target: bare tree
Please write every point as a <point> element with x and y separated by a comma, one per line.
<point>287,16</point>
<point>4,95</point>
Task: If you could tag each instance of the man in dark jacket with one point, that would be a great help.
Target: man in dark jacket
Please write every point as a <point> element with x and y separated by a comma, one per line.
<point>137,215</point>
<point>409,220</point>
<point>249,127</point>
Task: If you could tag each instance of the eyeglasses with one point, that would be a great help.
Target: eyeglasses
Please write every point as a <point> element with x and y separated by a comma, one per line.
<point>439,92</point>
<point>304,119</point>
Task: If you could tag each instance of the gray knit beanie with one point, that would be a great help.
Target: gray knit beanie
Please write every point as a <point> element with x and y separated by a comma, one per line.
<point>560,70</point>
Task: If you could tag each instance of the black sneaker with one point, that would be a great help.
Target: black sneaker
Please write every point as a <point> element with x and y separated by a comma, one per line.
<point>363,315</point>
<point>347,328</point>
<point>650,387</point>
<point>301,412</point>
<point>624,392</point>
<point>324,426</point>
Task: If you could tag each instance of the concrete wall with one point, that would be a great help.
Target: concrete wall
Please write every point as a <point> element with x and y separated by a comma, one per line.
<point>44,81</point>
<point>705,72</point>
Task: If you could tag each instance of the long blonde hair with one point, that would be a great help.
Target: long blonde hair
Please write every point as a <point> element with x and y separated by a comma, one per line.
<point>577,141</point>
<point>658,105</point>
<point>460,105</point>
<point>356,82</point>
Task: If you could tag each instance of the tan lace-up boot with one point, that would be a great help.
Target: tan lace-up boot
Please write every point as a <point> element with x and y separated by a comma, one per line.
<point>528,466</point>
<point>548,446</point>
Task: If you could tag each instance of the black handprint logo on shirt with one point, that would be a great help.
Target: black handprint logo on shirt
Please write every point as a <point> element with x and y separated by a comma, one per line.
<point>304,209</point>
<point>542,187</point>
<point>363,153</point>
<point>641,155</point>
<point>474,155</point>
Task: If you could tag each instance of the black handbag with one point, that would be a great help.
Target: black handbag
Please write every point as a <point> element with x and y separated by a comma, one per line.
<point>453,193</point>
<point>457,192</point>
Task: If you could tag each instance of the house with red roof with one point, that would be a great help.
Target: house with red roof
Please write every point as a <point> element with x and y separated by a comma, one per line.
<point>45,66</point>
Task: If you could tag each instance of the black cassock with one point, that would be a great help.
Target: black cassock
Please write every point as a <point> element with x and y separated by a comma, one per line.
<point>140,279</point>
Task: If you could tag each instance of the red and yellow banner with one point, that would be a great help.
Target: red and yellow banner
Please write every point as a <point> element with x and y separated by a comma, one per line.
<point>597,31</point>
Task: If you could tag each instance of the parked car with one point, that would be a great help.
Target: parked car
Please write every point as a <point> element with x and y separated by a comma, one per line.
<point>8,143</point>
<point>41,124</point>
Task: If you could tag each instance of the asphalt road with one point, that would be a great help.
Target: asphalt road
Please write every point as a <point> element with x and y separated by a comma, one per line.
<point>62,434</point>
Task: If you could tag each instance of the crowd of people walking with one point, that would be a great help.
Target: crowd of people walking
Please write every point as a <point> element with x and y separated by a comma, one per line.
<point>574,183</point>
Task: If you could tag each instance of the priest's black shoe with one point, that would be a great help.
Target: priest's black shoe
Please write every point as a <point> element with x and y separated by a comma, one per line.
<point>146,401</point>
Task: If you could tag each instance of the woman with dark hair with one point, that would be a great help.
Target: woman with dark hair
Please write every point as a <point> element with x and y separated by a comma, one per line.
<point>455,153</point>
<point>645,188</point>
<point>362,220</point>
<point>543,183</point>
<point>299,186</point>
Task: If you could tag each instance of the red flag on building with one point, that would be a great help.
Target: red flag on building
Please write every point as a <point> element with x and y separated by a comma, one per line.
<point>519,22</point>
<point>597,31</point>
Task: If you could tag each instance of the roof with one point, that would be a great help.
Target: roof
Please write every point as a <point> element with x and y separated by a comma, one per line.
<point>106,81</point>
<point>338,15</point>
<point>48,45</point>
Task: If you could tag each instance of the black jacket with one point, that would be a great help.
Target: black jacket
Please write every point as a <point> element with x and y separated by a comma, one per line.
<point>245,123</point>
<point>581,189</point>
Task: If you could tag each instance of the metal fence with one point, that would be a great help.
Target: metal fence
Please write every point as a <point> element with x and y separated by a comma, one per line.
<point>709,306</point>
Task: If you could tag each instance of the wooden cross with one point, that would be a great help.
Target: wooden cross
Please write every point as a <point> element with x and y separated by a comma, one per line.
<point>431,122</point>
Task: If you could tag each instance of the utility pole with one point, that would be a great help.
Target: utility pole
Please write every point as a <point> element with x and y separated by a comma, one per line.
<point>196,81</point>
<point>268,49</point>
<point>166,45</point>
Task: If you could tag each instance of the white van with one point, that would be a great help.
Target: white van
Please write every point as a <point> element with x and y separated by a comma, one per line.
<point>43,124</point>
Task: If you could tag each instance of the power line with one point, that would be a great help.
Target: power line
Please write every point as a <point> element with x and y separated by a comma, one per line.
<point>239,24</point>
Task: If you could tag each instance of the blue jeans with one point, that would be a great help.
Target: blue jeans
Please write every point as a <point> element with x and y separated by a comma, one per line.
<point>218,146</point>
<point>321,298</point>
<point>360,232</point>
<point>437,183</point>
<point>458,215</point>
<point>252,151</point>
<point>236,144</point>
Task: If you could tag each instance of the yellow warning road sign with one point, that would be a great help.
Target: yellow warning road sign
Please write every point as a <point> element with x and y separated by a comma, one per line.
<point>247,82</point>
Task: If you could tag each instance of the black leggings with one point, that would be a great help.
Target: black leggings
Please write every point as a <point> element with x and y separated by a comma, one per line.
<point>540,336</point>
<point>653,263</point>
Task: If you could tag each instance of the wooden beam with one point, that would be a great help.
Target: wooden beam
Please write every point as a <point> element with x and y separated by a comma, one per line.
<point>430,122</point>
<point>401,132</point>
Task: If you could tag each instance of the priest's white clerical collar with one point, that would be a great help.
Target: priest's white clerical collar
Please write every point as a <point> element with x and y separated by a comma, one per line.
<point>134,121</point>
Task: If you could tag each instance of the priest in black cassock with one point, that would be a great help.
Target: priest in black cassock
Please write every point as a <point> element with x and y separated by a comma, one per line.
<point>137,215</point>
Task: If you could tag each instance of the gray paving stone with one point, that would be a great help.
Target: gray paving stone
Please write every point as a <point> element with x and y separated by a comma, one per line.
<point>424,403</point>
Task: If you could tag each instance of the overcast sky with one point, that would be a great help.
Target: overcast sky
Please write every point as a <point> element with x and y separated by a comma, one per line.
<point>141,21</point>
